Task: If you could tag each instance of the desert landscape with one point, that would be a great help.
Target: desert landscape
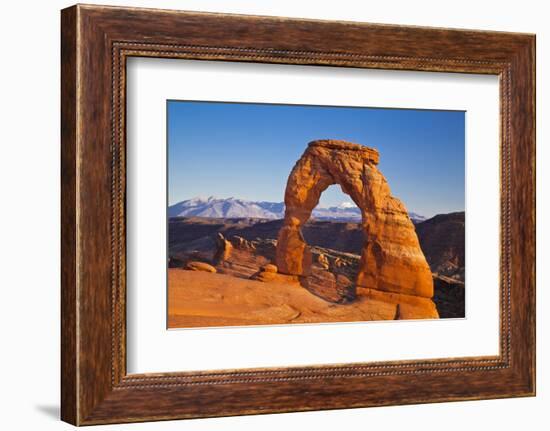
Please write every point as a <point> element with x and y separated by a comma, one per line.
<point>234,262</point>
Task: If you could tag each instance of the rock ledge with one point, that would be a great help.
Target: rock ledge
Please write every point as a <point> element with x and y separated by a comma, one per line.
<point>367,153</point>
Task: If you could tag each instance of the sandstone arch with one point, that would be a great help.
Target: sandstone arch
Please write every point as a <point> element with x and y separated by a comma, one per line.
<point>391,259</point>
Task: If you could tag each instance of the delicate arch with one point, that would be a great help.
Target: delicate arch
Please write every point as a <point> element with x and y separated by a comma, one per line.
<point>391,258</point>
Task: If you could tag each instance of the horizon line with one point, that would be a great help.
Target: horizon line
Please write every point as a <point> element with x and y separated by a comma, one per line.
<point>213,197</point>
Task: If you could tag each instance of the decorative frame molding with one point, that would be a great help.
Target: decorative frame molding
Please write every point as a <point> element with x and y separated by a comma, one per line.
<point>96,41</point>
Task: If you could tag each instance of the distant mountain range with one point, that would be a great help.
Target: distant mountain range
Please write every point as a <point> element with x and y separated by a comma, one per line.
<point>212,207</point>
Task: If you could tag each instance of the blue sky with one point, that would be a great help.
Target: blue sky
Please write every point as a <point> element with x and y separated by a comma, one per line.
<point>248,150</point>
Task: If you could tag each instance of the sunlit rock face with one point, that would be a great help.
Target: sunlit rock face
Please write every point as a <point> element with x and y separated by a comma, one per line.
<point>391,258</point>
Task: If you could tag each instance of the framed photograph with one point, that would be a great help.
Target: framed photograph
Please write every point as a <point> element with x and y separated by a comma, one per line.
<point>264,214</point>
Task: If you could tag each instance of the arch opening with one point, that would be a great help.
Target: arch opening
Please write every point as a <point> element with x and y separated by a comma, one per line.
<point>330,232</point>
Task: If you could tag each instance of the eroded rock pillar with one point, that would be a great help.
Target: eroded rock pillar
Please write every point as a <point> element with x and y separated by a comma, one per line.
<point>305,184</point>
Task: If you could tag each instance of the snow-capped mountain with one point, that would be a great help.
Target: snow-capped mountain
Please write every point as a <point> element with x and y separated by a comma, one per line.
<point>346,211</point>
<point>212,207</point>
<point>226,208</point>
<point>417,218</point>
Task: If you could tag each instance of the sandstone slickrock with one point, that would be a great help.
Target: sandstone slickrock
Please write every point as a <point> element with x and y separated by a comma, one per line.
<point>200,266</point>
<point>269,268</point>
<point>274,277</point>
<point>192,294</point>
<point>410,306</point>
<point>391,259</point>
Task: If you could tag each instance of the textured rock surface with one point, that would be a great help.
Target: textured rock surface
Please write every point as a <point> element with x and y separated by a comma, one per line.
<point>200,266</point>
<point>224,248</point>
<point>269,268</point>
<point>409,306</point>
<point>323,261</point>
<point>449,297</point>
<point>193,294</point>
<point>443,242</point>
<point>200,239</point>
<point>391,257</point>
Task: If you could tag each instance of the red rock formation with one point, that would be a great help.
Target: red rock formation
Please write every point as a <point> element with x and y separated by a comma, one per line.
<point>200,266</point>
<point>391,260</point>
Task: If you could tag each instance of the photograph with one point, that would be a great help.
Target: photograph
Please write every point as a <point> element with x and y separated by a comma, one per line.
<point>303,214</point>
